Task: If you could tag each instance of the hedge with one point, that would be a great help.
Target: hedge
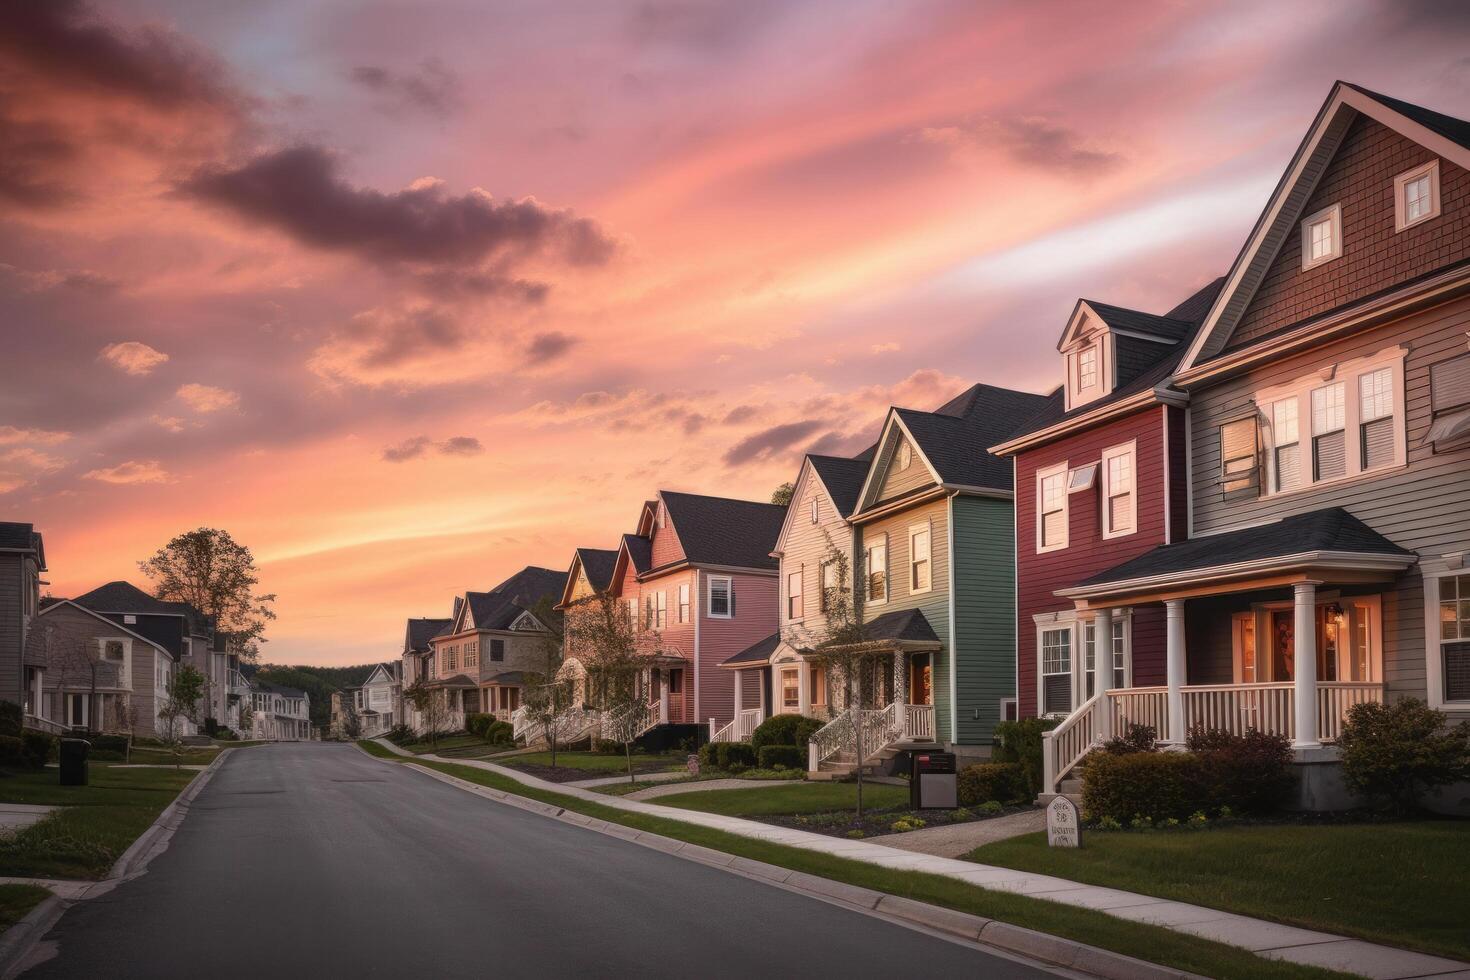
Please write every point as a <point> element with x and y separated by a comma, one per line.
<point>1153,786</point>
<point>735,755</point>
<point>1020,742</point>
<point>1004,782</point>
<point>785,730</point>
<point>781,757</point>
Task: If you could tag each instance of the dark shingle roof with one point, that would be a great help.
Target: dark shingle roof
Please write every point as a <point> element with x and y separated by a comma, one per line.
<point>22,537</point>
<point>843,478</point>
<point>757,653</point>
<point>501,606</point>
<point>125,597</point>
<point>640,550</point>
<point>507,677</point>
<point>598,564</point>
<point>1124,319</point>
<point>1192,311</point>
<point>902,624</point>
<point>956,437</point>
<point>721,531</point>
<point>1455,130</point>
<point>1332,530</point>
<point>420,631</point>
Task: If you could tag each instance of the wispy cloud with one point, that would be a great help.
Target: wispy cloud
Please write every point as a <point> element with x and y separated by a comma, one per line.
<point>206,398</point>
<point>130,472</point>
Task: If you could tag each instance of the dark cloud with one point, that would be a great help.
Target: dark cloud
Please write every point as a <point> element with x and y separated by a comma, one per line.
<point>385,340</point>
<point>1032,140</point>
<point>31,156</point>
<point>461,446</point>
<point>740,413</point>
<point>842,443</point>
<point>407,449</point>
<point>549,346</point>
<point>300,191</point>
<point>433,89</point>
<point>419,446</point>
<point>769,442</point>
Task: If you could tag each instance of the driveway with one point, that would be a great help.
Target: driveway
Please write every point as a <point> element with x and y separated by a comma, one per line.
<point>313,860</point>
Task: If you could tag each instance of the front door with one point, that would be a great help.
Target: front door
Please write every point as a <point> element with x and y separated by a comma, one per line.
<point>921,679</point>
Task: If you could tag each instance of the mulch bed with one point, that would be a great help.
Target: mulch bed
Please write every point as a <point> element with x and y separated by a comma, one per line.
<point>565,774</point>
<point>843,823</point>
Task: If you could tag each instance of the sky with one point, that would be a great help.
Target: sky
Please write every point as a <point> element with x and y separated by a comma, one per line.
<point>407,296</point>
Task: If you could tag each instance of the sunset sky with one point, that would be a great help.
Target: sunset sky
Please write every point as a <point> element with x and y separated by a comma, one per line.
<point>409,295</point>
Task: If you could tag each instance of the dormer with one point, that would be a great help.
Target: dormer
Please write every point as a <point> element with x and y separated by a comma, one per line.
<point>1087,347</point>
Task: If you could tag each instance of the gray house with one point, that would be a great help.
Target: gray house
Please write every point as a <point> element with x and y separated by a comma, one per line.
<point>22,560</point>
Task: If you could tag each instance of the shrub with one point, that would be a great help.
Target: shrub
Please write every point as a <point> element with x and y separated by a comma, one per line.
<point>1142,786</point>
<point>604,746</point>
<point>1000,781</point>
<point>109,743</point>
<point>989,807</point>
<point>12,718</point>
<point>478,723</point>
<point>12,753</point>
<point>1392,753</point>
<point>781,757</point>
<point>709,755</point>
<point>401,735</point>
<point>226,734</point>
<point>1135,738</point>
<point>1020,741</point>
<point>735,755</point>
<point>784,730</point>
<point>1250,773</point>
<point>499,733</point>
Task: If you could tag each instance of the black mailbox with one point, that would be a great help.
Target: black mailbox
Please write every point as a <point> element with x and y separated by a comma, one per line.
<point>74,761</point>
<point>933,781</point>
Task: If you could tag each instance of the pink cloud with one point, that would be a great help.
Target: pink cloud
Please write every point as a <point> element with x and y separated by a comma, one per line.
<point>133,357</point>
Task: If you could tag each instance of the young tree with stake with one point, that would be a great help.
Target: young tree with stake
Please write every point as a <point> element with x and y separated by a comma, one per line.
<point>607,638</point>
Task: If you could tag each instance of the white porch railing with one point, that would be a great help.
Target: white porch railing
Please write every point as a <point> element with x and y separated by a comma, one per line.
<point>1235,708</point>
<point>46,725</point>
<point>879,729</point>
<point>740,729</point>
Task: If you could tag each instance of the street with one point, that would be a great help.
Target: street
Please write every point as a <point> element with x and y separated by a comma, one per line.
<point>314,860</point>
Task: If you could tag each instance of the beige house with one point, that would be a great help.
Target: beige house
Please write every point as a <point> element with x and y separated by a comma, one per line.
<point>101,676</point>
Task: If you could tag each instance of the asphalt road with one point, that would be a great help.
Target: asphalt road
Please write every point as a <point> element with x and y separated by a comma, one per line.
<point>313,860</point>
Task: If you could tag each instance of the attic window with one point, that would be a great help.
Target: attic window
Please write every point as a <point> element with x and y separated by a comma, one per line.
<point>905,454</point>
<point>130,620</point>
<point>1086,368</point>
<point>816,516</point>
<point>1416,195</point>
<point>1322,237</point>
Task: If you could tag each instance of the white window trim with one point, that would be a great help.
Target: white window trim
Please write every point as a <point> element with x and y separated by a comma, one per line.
<point>914,531</point>
<point>799,573</point>
<point>1048,623</point>
<point>1101,342</point>
<point>1434,569</point>
<point>1058,469</point>
<point>1333,212</point>
<point>1129,449</point>
<point>887,579</point>
<point>816,509</point>
<point>681,614</point>
<point>1346,372</point>
<point>729,595</point>
<point>1400,203</point>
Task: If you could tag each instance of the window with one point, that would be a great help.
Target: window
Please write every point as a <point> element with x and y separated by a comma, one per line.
<point>497,649</point>
<point>815,510</point>
<point>1322,237</point>
<point>633,612</point>
<point>451,658</point>
<point>793,595</point>
<point>1454,635</point>
<point>113,650</point>
<point>829,584</point>
<point>1329,443</point>
<point>472,654</point>
<point>684,603</point>
<point>721,597</point>
<point>1286,459</point>
<point>817,691</point>
<point>1089,655</point>
<point>920,571</point>
<point>791,689</point>
<point>1051,500</point>
<point>1238,454</point>
<point>1416,195</point>
<point>660,610</point>
<point>1120,655</point>
<point>1375,414</point>
<point>905,454</point>
<point>1081,478</point>
<point>875,563</point>
<point>1056,671</point>
<point>1245,642</point>
<point>676,681</point>
<point>1120,499</point>
<point>1086,368</point>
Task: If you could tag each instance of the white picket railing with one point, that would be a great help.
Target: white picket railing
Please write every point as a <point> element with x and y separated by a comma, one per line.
<point>740,729</point>
<point>1065,745</point>
<point>878,729</point>
<point>40,724</point>
<point>1147,706</point>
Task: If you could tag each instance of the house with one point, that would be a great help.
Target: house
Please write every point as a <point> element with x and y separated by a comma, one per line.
<point>374,701</point>
<point>102,675</point>
<point>493,641</point>
<point>589,577</point>
<point>22,560</point>
<point>279,713</point>
<point>773,676</point>
<point>342,720</point>
<point>698,582</point>
<point>1327,458</point>
<point>417,664</point>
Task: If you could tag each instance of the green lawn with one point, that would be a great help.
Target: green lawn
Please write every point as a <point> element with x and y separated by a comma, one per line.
<point>1152,943</point>
<point>788,798</point>
<point>1402,884</point>
<point>100,821</point>
<point>448,744</point>
<point>17,900</point>
<point>594,761</point>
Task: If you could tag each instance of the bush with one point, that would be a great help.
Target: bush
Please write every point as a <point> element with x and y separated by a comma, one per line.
<point>785,730</point>
<point>478,723</point>
<point>603,746</point>
<point>1250,773</point>
<point>12,719</point>
<point>1140,788</point>
<point>226,734</point>
<point>12,753</point>
<point>1136,738</point>
<point>735,756</point>
<point>1020,742</point>
<point>1392,753</point>
<point>709,755</point>
<point>1003,782</point>
<point>781,757</point>
<point>499,733</point>
<point>401,735</point>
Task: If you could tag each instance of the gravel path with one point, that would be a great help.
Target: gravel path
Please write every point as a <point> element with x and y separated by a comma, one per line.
<point>959,839</point>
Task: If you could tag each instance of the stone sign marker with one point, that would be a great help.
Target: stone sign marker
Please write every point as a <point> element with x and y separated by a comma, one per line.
<point>1063,823</point>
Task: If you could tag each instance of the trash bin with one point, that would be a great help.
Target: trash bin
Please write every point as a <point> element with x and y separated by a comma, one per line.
<point>74,761</point>
<point>933,781</point>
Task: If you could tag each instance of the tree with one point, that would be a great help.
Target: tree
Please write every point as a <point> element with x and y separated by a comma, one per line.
<point>209,570</point>
<point>545,698</point>
<point>430,705</point>
<point>843,647</point>
<point>606,637</point>
<point>782,494</point>
<point>185,688</point>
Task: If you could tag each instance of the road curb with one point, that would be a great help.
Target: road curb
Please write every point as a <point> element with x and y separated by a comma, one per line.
<point>155,840</point>
<point>17,941</point>
<point>1013,939</point>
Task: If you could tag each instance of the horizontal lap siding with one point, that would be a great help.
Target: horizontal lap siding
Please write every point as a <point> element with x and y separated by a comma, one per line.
<point>1087,553</point>
<point>1424,507</point>
<point>10,627</point>
<point>897,482</point>
<point>806,547</point>
<point>720,639</point>
<point>1375,256</point>
<point>676,636</point>
<point>985,614</point>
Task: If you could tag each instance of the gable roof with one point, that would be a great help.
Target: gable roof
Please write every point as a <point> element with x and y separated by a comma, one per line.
<point>421,631</point>
<point>110,623</point>
<point>1276,226</point>
<point>503,605</point>
<point>843,479</point>
<point>640,552</point>
<point>724,531</point>
<point>956,438</point>
<point>281,689</point>
<point>758,652</point>
<point>125,597</point>
<point>598,564</point>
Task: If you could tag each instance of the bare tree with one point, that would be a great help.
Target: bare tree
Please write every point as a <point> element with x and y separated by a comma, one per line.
<point>545,698</point>
<point>432,708</point>
<point>607,638</point>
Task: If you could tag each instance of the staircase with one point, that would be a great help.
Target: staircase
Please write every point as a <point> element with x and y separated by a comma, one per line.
<point>883,733</point>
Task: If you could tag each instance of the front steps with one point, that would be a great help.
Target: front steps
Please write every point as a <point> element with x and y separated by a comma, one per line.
<point>1071,788</point>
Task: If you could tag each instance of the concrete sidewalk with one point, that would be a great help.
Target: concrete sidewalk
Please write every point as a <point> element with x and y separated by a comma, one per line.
<point>1264,938</point>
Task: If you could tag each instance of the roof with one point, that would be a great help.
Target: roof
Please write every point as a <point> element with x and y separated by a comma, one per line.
<point>1455,130</point>
<point>421,631</point>
<point>1120,318</point>
<point>903,624</point>
<point>843,478</point>
<point>598,564</point>
<point>507,677</point>
<point>722,531</point>
<point>503,605</point>
<point>1330,530</point>
<point>125,597</point>
<point>1191,312</point>
<point>458,680</point>
<point>15,536</point>
<point>956,437</point>
<point>758,652</point>
<point>640,551</point>
<point>282,690</point>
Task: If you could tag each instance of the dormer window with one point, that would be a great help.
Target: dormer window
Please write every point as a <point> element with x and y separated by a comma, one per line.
<point>1416,195</point>
<point>1088,348</point>
<point>1086,368</point>
<point>816,515</point>
<point>1322,237</point>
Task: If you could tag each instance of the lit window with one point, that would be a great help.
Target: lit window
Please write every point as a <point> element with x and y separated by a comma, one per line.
<point>791,689</point>
<point>1086,368</point>
<point>1052,494</point>
<point>1329,442</point>
<point>1286,440</point>
<point>1416,195</point>
<point>1119,500</point>
<point>1322,237</point>
<point>684,603</point>
<point>876,564</point>
<point>793,595</point>
<point>920,575</point>
<point>1238,454</point>
<point>1454,607</point>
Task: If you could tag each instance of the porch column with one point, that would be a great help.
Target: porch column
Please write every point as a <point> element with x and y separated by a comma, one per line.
<point>900,676</point>
<point>1176,666</point>
<point>803,688</point>
<point>1305,641</point>
<point>739,691</point>
<point>663,696</point>
<point>1102,675</point>
<point>765,709</point>
<point>1079,664</point>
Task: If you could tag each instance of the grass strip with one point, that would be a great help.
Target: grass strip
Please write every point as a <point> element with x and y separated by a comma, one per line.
<point>1152,943</point>
<point>17,900</point>
<point>793,798</point>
